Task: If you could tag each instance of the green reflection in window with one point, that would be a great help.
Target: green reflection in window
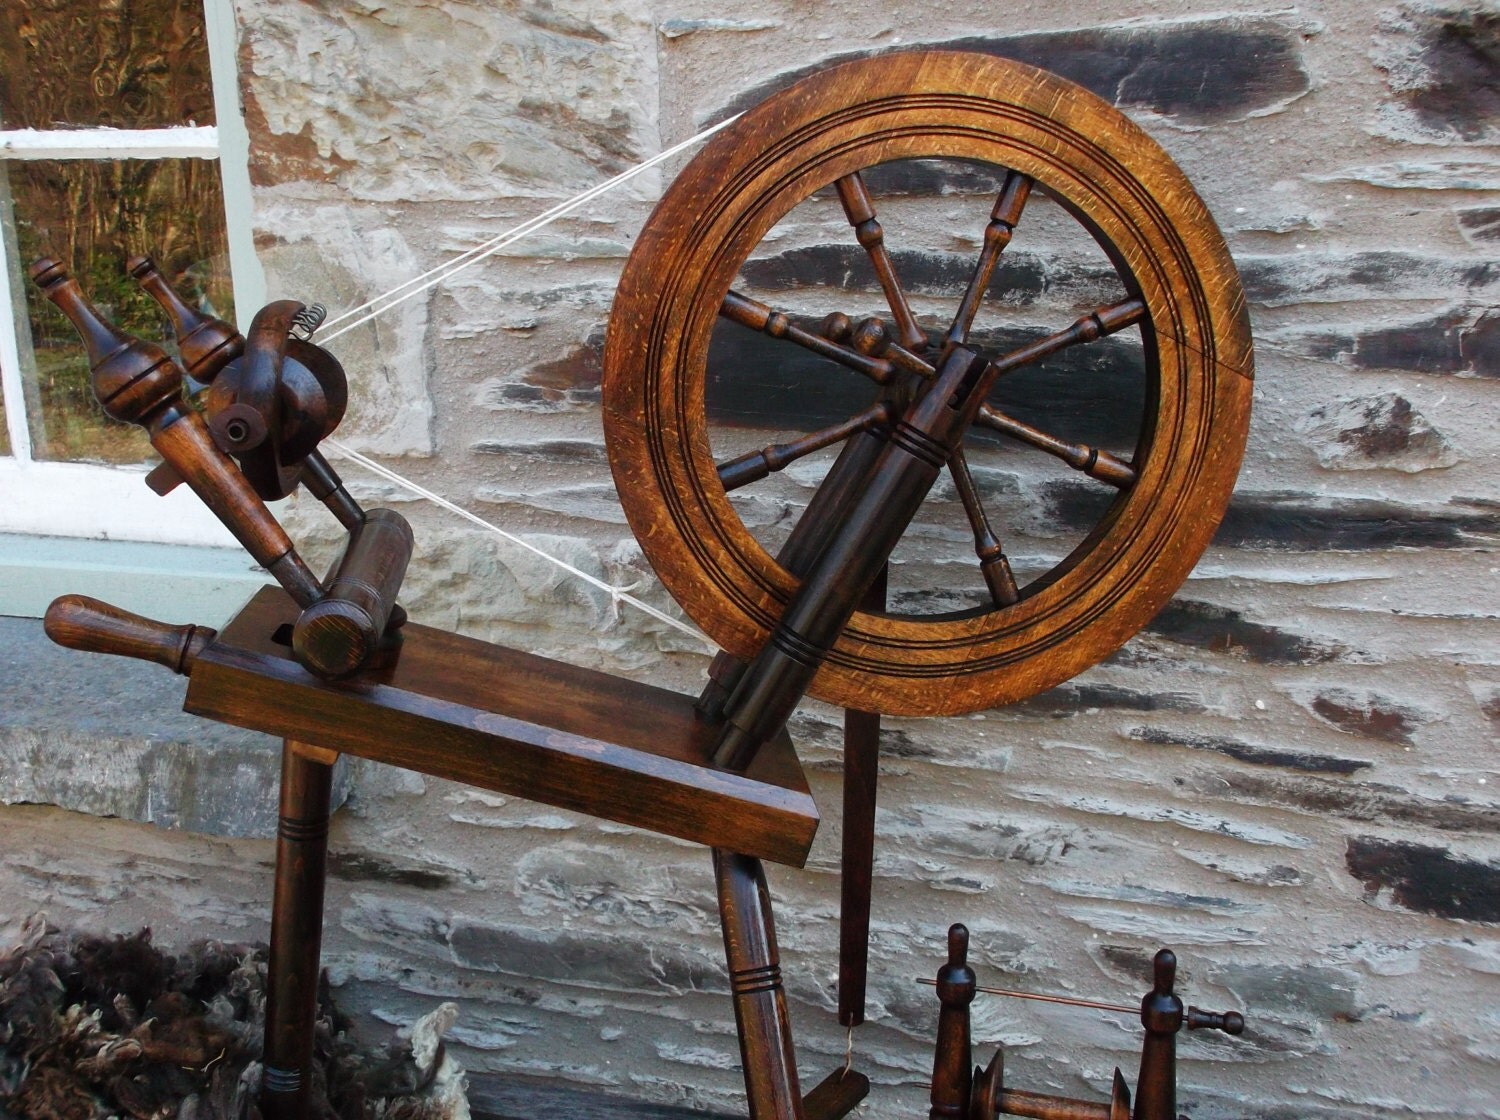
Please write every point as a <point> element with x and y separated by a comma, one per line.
<point>93,216</point>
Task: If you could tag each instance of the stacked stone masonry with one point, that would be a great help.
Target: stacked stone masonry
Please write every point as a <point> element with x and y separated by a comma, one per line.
<point>1291,776</point>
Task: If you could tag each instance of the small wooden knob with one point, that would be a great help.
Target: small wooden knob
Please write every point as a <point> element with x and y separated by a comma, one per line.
<point>836,327</point>
<point>1230,1022</point>
<point>871,337</point>
<point>81,623</point>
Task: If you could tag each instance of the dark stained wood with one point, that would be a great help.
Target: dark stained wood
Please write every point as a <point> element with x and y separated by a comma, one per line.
<point>722,772</point>
<point>987,1096</point>
<point>138,383</point>
<point>1179,288</point>
<point>1092,461</point>
<point>836,1095</point>
<point>516,723</point>
<point>997,234</point>
<point>205,344</point>
<point>81,623</point>
<point>324,483</point>
<point>270,407</point>
<point>760,1012</point>
<point>755,465</point>
<point>994,565</point>
<point>339,634</point>
<point>861,214</point>
<point>856,865</point>
<point>296,932</point>
<point>803,637</point>
<point>1161,1015</point>
<point>953,1065</point>
<point>758,317</point>
<point>857,859</point>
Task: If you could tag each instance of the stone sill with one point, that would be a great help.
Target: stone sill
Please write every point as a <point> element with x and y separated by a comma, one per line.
<point>107,736</point>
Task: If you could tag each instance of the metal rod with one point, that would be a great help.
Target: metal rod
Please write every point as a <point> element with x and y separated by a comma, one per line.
<point>1067,1000</point>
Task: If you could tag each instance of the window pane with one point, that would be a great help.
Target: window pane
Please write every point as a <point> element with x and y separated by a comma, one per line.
<point>119,63</point>
<point>93,216</point>
<point>4,431</point>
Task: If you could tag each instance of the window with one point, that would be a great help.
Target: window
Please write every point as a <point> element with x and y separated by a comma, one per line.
<point>120,133</point>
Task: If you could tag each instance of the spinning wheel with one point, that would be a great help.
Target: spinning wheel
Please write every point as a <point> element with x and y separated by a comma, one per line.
<point>1178,288</point>
<point>337,670</point>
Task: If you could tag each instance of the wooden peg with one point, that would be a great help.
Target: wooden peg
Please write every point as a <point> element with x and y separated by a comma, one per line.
<point>205,344</point>
<point>1161,1015</point>
<point>953,1067</point>
<point>1119,1098</point>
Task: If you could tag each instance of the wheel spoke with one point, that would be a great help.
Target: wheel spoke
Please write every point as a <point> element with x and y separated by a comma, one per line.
<point>768,321</point>
<point>1092,461</point>
<point>861,214</point>
<point>992,559</point>
<point>1096,324</point>
<point>1003,218</point>
<point>755,465</point>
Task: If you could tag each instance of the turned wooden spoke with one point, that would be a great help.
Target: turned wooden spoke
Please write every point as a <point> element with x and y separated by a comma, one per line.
<point>1003,218</point>
<point>1126,196</point>
<point>767,320</point>
<point>755,465</point>
<point>861,214</point>
<point>1096,324</point>
<point>992,559</point>
<point>1092,461</point>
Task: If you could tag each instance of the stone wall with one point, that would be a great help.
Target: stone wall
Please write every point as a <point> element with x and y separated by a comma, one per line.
<point>1289,776</point>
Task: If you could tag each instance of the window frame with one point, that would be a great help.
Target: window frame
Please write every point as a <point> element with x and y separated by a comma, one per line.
<point>69,499</point>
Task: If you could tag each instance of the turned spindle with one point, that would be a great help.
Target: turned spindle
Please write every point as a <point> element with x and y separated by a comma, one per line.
<point>136,382</point>
<point>205,344</point>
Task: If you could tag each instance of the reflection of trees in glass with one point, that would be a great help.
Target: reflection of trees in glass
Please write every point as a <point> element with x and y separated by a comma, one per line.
<point>93,216</point>
<point>120,64</point>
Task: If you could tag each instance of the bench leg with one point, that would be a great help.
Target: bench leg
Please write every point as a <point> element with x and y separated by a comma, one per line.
<point>296,928</point>
<point>755,979</point>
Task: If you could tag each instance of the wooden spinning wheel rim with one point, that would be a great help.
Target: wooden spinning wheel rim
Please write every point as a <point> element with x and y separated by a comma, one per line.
<point>1141,210</point>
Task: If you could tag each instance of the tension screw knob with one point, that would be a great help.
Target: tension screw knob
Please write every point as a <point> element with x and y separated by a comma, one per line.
<point>1230,1022</point>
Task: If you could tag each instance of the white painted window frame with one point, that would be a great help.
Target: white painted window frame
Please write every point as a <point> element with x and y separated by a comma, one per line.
<point>113,503</point>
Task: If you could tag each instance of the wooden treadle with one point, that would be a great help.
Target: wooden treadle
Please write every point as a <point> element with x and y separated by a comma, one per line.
<point>516,723</point>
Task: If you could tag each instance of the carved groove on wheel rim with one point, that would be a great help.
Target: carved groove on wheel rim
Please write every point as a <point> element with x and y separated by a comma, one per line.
<point>1141,211</point>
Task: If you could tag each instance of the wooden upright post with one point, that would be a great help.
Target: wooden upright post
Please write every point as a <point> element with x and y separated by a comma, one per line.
<point>296,928</point>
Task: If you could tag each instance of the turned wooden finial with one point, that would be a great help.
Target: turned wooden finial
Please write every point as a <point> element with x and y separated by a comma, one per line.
<point>206,344</point>
<point>1161,1015</point>
<point>131,378</point>
<point>953,1067</point>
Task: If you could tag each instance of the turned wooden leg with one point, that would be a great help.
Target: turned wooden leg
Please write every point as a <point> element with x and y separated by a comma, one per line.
<point>755,979</point>
<point>296,928</point>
